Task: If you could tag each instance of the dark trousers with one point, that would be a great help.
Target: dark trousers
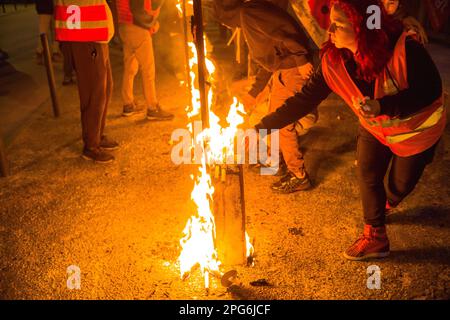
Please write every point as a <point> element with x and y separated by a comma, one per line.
<point>373,163</point>
<point>94,79</point>
<point>68,60</point>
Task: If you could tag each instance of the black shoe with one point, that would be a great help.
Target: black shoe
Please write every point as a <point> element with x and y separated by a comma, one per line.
<point>130,109</point>
<point>108,144</point>
<point>158,114</point>
<point>97,155</point>
<point>291,183</point>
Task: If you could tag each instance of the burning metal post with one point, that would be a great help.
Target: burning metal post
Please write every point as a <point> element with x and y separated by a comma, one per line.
<point>186,48</point>
<point>197,29</point>
<point>228,198</point>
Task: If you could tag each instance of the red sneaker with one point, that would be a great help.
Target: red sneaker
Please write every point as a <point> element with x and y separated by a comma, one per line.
<point>374,243</point>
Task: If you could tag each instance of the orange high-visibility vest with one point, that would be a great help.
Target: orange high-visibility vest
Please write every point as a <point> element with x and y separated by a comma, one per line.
<point>81,20</point>
<point>407,136</point>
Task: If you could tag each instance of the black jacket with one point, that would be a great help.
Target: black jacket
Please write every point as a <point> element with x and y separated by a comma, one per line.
<point>274,38</point>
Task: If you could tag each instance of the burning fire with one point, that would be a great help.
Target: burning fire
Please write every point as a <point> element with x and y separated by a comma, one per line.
<point>179,6</point>
<point>217,144</point>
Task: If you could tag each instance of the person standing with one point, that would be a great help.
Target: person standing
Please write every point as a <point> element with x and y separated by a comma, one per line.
<point>44,9</point>
<point>279,46</point>
<point>390,82</point>
<point>137,23</point>
<point>87,41</point>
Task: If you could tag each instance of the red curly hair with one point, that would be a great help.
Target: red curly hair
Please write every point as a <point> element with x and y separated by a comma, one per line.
<point>374,46</point>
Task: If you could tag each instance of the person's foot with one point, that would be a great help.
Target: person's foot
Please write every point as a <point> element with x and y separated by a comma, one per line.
<point>108,144</point>
<point>374,243</point>
<point>131,109</point>
<point>159,114</point>
<point>291,183</point>
<point>97,155</point>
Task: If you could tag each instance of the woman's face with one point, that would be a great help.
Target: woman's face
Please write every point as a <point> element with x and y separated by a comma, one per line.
<point>341,30</point>
<point>391,6</point>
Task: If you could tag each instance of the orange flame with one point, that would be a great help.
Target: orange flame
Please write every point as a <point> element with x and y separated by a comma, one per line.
<point>217,143</point>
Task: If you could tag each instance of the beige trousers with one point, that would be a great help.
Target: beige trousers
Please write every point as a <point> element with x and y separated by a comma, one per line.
<point>285,83</point>
<point>138,52</point>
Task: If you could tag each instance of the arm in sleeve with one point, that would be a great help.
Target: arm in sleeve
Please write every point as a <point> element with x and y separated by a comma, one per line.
<point>262,78</point>
<point>312,94</point>
<point>141,17</point>
<point>275,24</point>
<point>425,84</point>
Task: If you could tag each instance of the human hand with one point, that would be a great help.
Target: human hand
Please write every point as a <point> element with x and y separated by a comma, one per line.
<point>155,28</point>
<point>367,108</point>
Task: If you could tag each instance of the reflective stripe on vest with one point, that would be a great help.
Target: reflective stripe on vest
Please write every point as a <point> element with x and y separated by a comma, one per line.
<point>407,136</point>
<point>430,122</point>
<point>92,25</point>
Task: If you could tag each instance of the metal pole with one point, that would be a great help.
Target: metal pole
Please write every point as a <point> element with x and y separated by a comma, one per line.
<point>50,74</point>
<point>4,166</point>
<point>198,38</point>
<point>186,51</point>
<point>241,187</point>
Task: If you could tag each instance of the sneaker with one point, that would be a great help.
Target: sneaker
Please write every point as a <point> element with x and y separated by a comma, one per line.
<point>374,243</point>
<point>130,109</point>
<point>97,155</point>
<point>291,183</point>
<point>159,114</point>
<point>108,144</point>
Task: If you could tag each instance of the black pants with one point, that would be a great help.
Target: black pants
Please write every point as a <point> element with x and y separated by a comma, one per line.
<point>68,60</point>
<point>373,163</point>
<point>94,79</point>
